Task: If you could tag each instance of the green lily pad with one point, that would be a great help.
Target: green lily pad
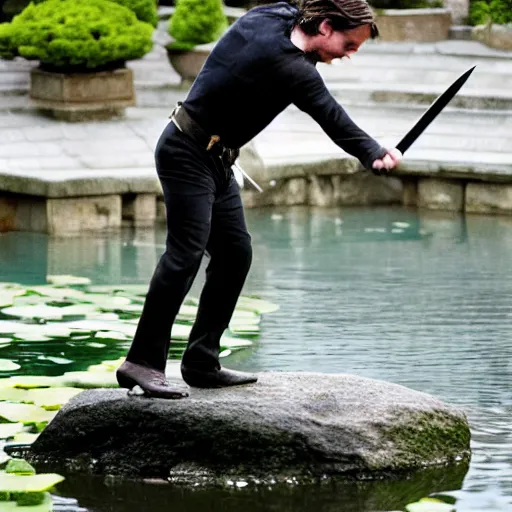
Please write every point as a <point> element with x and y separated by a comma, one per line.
<point>51,399</point>
<point>104,325</point>
<point>256,305</point>
<point>57,293</point>
<point>112,335</point>
<point>12,394</point>
<point>66,280</point>
<point>139,290</point>
<point>187,313</point>
<point>44,312</point>
<point>107,366</point>
<point>430,505</point>
<point>88,380</point>
<point>19,467</point>
<point>245,330</point>
<point>25,437</point>
<point>180,332</point>
<point>29,483</point>
<point>33,381</point>
<point>6,365</point>
<point>8,430</point>
<point>24,413</point>
<point>13,506</point>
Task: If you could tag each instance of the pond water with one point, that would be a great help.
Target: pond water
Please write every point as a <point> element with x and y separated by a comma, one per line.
<point>420,299</point>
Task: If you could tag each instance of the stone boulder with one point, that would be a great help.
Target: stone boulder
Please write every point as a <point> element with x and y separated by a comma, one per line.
<point>299,426</point>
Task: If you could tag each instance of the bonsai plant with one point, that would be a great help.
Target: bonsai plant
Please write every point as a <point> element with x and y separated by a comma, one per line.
<point>78,37</point>
<point>194,24</point>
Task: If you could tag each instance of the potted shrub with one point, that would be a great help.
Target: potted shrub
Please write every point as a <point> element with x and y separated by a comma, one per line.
<point>195,27</point>
<point>82,47</point>
<point>492,22</point>
<point>412,20</point>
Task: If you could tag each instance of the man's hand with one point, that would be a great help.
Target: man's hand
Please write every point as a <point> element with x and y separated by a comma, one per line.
<point>390,160</point>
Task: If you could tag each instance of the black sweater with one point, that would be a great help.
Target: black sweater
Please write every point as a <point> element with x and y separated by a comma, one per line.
<point>255,72</point>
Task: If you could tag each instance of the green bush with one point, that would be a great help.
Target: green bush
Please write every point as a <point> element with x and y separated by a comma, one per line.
<point>483,12</point>
<point>405,4</point>
<point>197,22</point>
<point>145,10</point>
<point>79,35</point>
<point>7,49</point>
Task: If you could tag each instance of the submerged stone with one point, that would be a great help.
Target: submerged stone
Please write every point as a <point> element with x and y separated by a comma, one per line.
<point>288,426</point>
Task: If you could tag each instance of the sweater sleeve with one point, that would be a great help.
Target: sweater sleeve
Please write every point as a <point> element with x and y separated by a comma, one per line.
<point>310,95</point>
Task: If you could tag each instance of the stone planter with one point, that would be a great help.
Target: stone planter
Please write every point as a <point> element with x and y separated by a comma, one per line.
<point>422,25</point>
<point>188,63</point>
<point>82,96</point>
<point>494,36</point>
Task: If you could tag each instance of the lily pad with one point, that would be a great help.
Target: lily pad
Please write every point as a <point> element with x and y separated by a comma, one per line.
<point>29,483</point>
<point>25,437</point>
<point>65,280</point>
<point>180,332</point>
<point>187,313</point>
<point>6,365</point>
<point>88,380</point>
<point>19,467</point>
<point>13,394</point>
<point>45,312</point>
<point>33,381</point>
<point>51,399</point>
<point>24,413</point>
<point>256,305</point>
<point>45,506</point>
<point>8,430</point>
<point>139,290</point>
<point>57,293</point>
<point>430,505</point>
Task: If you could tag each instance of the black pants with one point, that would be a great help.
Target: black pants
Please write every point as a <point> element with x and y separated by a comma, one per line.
<point>204,213</point>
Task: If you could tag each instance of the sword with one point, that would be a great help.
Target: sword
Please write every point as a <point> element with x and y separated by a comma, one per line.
<point>432,112</point>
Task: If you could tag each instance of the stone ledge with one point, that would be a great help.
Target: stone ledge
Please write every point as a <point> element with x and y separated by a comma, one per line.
<point>288,425</point>
<point>87,182</point>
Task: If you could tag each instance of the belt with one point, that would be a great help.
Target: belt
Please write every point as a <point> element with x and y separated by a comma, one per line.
<point>194,130</point>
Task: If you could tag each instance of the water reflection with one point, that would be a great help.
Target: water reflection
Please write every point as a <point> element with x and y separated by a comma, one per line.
<point>332,497</point>
<point>421,299</point>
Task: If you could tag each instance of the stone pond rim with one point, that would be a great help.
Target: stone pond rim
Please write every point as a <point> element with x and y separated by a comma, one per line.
<point>303,425</point>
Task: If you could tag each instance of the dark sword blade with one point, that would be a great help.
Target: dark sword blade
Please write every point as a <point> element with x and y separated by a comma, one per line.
<point>433,111</point>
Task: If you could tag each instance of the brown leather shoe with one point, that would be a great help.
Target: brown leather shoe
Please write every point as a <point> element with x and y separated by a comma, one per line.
<point>152,382</point>
<point>217,378</point>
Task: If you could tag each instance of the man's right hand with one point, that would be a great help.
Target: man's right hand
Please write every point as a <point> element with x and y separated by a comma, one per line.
<point>389,161</point>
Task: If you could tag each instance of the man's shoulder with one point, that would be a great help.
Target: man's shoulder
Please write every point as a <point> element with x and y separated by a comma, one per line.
<point>279,10</point>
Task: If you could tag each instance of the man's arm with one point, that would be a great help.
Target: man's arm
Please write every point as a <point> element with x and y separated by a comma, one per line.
<point>310,95</point>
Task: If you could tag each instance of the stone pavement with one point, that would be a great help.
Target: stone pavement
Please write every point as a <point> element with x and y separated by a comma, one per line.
<point>385,88</point>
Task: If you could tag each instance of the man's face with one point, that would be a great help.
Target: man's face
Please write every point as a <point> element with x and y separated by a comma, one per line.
<point>332,44</point>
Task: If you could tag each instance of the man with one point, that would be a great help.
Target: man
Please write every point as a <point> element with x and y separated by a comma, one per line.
<point>265,62</point>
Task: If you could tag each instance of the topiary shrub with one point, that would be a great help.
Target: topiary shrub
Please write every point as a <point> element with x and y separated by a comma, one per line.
<point>145,10</point>
<point>196,22</point>
<point>79,35</point>
<point>483,12</point>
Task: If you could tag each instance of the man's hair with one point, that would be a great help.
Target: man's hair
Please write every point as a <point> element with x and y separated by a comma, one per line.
<point>342,15</point>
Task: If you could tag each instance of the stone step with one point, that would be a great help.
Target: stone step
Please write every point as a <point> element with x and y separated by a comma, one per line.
<point>392,73</point>
<point>493,99</point>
